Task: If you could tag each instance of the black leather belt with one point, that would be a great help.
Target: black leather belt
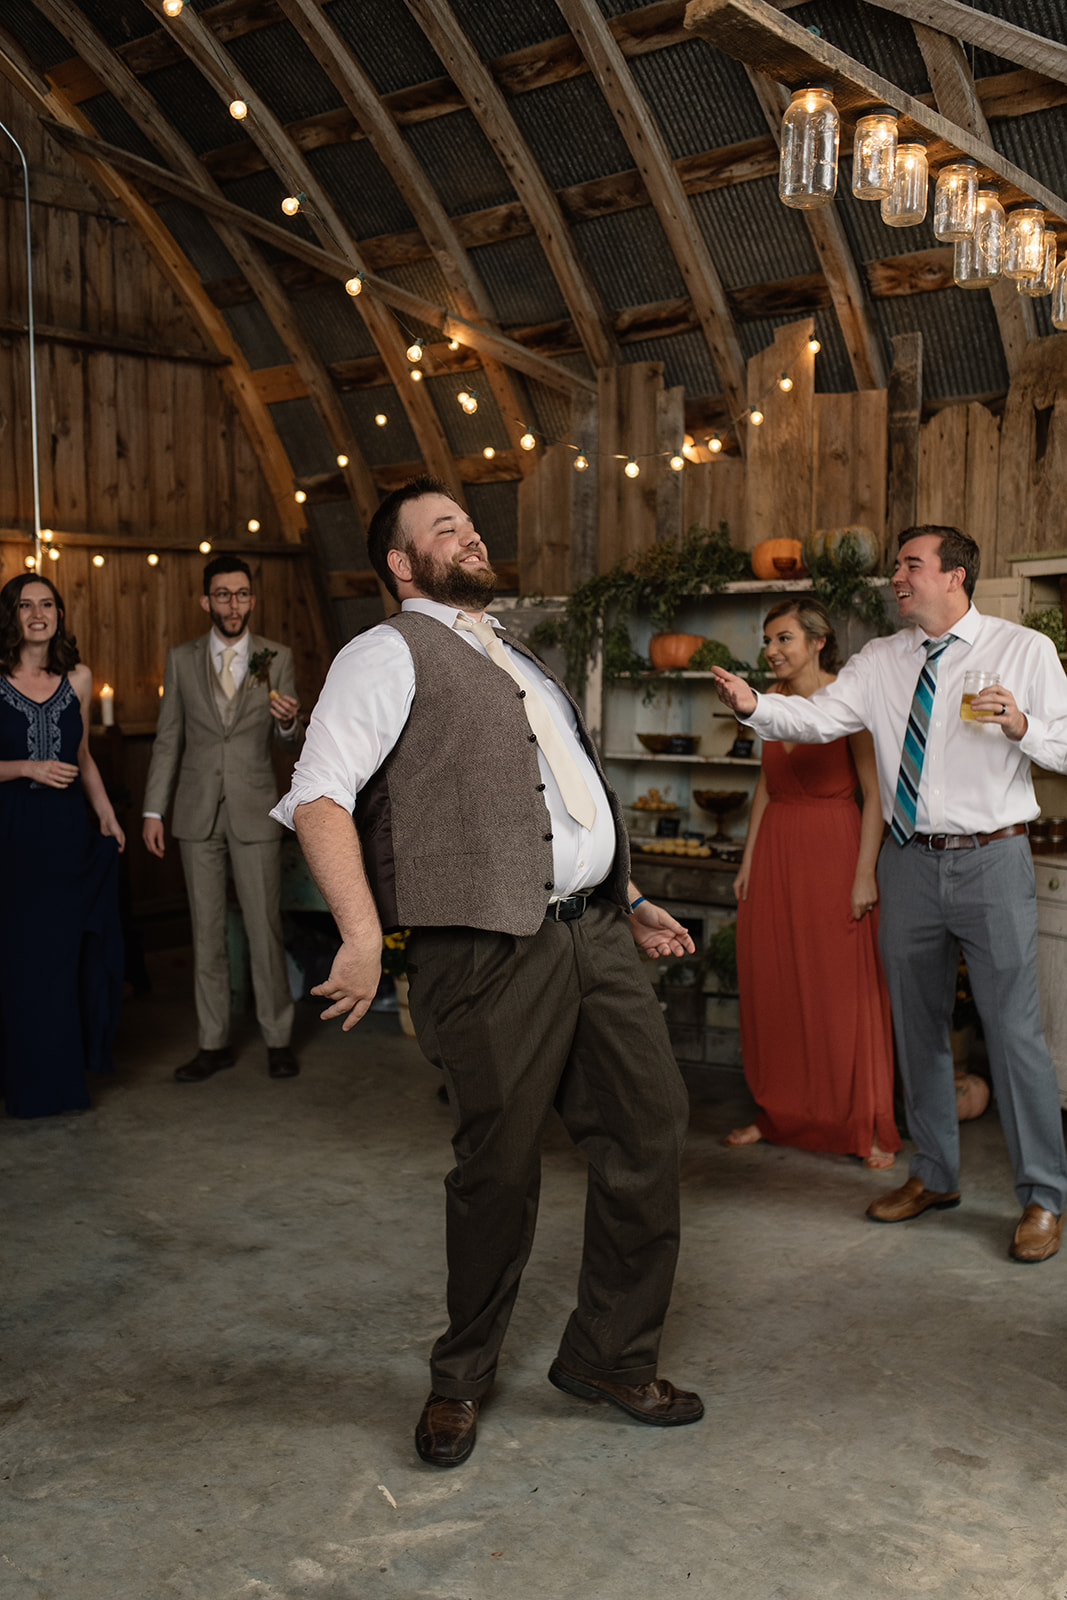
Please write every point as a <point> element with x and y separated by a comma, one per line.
<point>568,910</point>
<point>966,841</point>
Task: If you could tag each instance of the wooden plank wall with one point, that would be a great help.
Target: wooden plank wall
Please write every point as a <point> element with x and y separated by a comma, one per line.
<point>779,454</point>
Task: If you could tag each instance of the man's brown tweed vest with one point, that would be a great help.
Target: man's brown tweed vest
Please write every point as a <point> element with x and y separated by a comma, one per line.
<point>454,827</point>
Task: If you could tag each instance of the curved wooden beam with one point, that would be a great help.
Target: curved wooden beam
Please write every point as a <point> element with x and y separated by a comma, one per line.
<point>437,228</point>
<point>204,51</point>
<point>134,98</point>
<point>990,33</point>
<point>489,107</point>
<point>649,150</point>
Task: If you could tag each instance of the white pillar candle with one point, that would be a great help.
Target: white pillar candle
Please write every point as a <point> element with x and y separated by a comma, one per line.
<point>107,706</point>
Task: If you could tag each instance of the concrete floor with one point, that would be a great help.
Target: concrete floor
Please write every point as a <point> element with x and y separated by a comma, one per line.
<point>216,1307</point>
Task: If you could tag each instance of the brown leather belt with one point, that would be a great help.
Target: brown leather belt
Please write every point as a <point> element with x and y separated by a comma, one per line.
<point>966,841</point>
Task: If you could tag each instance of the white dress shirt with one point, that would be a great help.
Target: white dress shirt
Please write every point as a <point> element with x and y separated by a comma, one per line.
<point>974,779</point>
<point>239,664</point>
<point>361,714</point>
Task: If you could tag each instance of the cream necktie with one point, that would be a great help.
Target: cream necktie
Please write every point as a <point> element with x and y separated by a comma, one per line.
<point>226,683</point>
<point>572,786</point>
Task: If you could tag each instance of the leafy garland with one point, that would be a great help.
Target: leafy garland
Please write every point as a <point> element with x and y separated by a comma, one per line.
<point>841,584</point>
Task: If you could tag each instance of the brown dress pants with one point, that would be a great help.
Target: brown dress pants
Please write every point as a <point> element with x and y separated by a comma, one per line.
<point>563,1018</point>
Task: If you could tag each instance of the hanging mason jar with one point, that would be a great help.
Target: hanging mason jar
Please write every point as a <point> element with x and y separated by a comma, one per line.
<point>977,260</point>
<point>1024,241</point>
<point>1059,297</point>
<point>874,152</point>
<point>1041,283</point>
<point>905,204</point>
<point>811,133</point>
<point>955,200</point>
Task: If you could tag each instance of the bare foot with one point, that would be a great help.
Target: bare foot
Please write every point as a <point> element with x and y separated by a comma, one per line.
<point>749,1135</point>
<point>878,1159</point>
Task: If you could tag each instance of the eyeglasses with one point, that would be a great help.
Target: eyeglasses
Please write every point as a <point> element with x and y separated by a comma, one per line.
<point>224,596</point>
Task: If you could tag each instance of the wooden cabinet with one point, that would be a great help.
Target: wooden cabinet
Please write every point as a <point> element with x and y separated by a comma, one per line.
<point>1051,875</point>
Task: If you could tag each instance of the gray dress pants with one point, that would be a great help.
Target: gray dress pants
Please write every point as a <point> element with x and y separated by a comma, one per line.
<point>935,903</point>
<point>563,1018</point>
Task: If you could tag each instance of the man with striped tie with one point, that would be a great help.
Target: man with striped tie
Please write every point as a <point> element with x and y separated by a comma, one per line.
<point>955,872</point>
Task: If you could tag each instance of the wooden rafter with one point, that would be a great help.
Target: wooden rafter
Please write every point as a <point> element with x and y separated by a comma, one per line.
<point>209,57</point>
<point>236,374</point>
<point>986,32</point>
<point>647,145</point>
<point>754,32</point>
<point>134,97</point>
<point>839,267</point>
<point>488,106</point>
<point>435,225</point>
<point>955,96</point>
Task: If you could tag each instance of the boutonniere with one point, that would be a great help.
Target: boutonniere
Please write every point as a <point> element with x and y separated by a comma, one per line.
<point>259,665</point>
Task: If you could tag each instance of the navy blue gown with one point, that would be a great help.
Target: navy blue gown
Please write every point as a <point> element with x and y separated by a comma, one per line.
<point>60,940</point>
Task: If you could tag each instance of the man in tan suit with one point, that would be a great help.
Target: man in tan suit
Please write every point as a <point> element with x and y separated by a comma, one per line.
<point>224,696</point>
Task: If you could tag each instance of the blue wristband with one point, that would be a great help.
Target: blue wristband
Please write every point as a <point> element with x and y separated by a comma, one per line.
<point>638,902</point>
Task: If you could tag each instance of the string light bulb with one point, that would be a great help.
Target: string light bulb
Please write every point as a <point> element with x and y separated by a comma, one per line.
<point>290,205</point>
<point>527,442</point>
<point>814,346</point>
<point>677,463</point>
<point>414,351</point>
<point>342,460</point>
<point>172,8</point>
<point>253,525</point>
<point>47,535</point>
<point>354,285</point>
<point>381,419</point>
<point>580,463</point>
<point>238,110</point>
<point>715,444</point>
<point>299,496</point>
<point>153,559</point>
<point>785,383</point>
<point>631,468</point>
<point>470,405</point>
<point>488,452</point>
<point>453,344</point>
<point>53,554</point>
<point>755,416</point>
<point>31,563</point>
<point>98,561</point>
<point>416,374</point>
<point>204,547</point>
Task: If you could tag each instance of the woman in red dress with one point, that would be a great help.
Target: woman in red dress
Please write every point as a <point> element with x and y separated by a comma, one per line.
<point>816,1037</point>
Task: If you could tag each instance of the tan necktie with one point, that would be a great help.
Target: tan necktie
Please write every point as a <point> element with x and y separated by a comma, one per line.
<point>226,683</point>
<point>572,786</point>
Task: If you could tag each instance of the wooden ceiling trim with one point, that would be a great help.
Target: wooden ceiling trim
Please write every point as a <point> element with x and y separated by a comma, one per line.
<point>135,99</point>
<point>841,273</point>
<point>987,32</point>
<point>488,106</point>
<point>44,334</point>
<point>753,32</point>
<point>647,145</point>
<point>435,225</point>
<point>236,374</point>
<point>955,97</point>
<point>208,56</point>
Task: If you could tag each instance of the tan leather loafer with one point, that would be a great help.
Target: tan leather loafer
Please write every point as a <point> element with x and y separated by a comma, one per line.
<point>447,1430</point>
<point>1038,1235</point>
<point>658,1402</point>
<point>910,1200</point>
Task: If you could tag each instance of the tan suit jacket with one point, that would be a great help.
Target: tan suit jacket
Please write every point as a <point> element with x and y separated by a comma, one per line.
<point>209,761</point>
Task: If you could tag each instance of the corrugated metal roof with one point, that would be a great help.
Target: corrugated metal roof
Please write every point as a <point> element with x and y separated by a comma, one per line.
<point>361,189</point>
<point>198,239</point>
<point>629,258</point>
<point>381,446</point>
<point>467,434</point>
<point>118,20</point>
<point>751,236</point>
<point>115,124</point>
<point>1038,144</point>
<point>338,535</point>
<point>459,163</point>
<point>872,36</point>
<point>700,98</point>
<point>388,43</point>
<point>869,236</point>
<point>494,510</point>
<point>189,101</point>
<point>550,412</point>
<point>44,44</point>
<point>301,433</point>
<point>255,334</point>
<point>282,69</point>
<point>506,25</point>
<point>574,103</point>
<point>962,349</point>
<point>333,322</point>
<point>686,361</point>
<point>518,281</point>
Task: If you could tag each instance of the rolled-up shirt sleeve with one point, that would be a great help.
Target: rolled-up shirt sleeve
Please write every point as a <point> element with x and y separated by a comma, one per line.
<point>1045,705</point>
<point>359,717</point>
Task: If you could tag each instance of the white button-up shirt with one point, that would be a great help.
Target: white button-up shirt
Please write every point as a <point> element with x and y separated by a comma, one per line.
<point>974,779</point>
<point>361,714</point>
<point>239,664</point>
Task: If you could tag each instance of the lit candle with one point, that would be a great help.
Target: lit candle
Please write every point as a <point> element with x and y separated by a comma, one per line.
<point>107,706</point>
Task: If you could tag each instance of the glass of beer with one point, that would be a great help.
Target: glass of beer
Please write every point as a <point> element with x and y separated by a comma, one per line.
<point>973,683</point>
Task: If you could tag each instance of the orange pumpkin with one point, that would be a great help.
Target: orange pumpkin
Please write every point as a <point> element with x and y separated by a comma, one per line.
<point>768,551</point>
<point>668,651</point>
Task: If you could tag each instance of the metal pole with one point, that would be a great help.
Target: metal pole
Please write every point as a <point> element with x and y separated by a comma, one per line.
<point>33,352</point>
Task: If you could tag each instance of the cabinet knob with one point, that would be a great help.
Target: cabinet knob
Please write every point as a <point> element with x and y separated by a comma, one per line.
<point>1054,883</point>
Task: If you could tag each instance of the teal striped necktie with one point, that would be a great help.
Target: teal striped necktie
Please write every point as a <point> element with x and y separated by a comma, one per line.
<point>914,750</point>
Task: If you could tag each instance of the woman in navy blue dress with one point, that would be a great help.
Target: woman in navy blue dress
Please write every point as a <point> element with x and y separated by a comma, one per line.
<point>60,939</point>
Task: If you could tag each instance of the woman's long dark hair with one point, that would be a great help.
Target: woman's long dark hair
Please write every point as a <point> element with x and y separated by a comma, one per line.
<point>62,647</point>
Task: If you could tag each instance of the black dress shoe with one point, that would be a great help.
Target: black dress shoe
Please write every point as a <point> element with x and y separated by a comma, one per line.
<point>281,1061</point>
<point>204,1065</point>
<point>658,1403</point>
<point>447,1430</point>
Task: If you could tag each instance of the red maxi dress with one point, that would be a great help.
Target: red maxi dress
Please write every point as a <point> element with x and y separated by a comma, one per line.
<point>816,1036</point>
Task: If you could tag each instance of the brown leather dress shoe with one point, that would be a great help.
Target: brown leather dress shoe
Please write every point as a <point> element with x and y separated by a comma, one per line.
<point>204,1065</point>
<point>281,1062</point>
<point>447,1430</point>
<point>658,1403</point>
<point>1038,1235</point>
<point>910,1200</point>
